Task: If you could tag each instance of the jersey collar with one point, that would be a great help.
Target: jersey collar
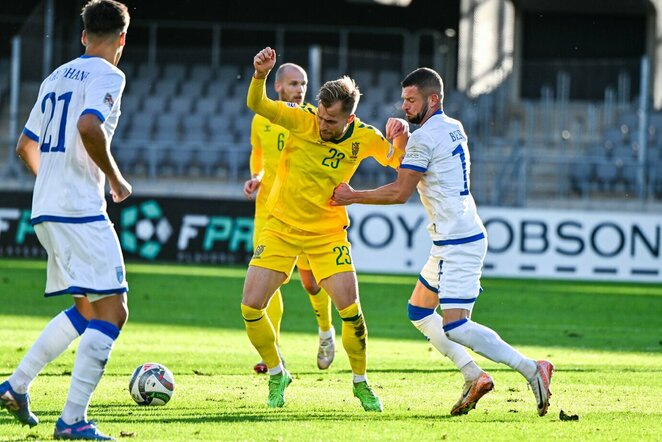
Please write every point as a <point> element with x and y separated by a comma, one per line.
<point>348,134</point>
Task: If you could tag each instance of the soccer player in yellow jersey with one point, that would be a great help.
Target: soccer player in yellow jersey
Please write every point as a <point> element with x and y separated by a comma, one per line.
<point>267,141</point>
<point>323,149</point>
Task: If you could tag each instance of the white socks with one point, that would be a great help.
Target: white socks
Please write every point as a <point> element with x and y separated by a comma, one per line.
<point>91,357</point>
<point>487,342</point>
<point>356,378</point>
<point>432,328</point>
<point>61,331</point>
<point>326,334</point>
<point>277,369</point>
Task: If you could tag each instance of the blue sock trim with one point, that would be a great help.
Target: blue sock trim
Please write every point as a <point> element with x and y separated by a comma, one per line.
<point>456,324</point>
<point>105,327</point>
<point>417,313</point>
<point>77,320</point>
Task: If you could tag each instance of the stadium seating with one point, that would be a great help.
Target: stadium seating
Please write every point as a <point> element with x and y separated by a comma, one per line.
<point>192,120</point>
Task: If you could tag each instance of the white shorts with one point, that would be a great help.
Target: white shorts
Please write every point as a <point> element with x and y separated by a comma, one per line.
<point>83,259</point>
<point>454,271</point>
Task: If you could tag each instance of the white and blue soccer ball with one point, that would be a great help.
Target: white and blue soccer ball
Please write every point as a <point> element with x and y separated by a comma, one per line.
<point>152,384</point>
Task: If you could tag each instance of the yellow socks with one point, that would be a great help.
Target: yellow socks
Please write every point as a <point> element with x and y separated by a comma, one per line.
<point>275,313</point>
<point>322,306</point>
<point>354,337</point>
<point>261,334</point>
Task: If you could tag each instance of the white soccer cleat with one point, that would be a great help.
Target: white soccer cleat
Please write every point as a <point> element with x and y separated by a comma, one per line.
<point>326,351</point>
<point>471,394</point>
<point>539,384</point>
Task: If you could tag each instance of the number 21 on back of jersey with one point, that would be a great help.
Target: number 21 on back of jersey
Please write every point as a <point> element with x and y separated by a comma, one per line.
<point>55,108</point>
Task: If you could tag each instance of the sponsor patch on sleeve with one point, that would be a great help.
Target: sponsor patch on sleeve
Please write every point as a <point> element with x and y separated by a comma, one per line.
<point>108,99</point>
<point>292,104</point>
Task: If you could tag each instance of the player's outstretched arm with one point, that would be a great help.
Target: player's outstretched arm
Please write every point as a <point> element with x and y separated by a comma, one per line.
<point>397,192</point>
<point>96,145</point>
<point>27,150</point>
<point>257,99</point>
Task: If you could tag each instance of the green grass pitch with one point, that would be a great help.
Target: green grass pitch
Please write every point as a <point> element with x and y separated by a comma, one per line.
<point>604,338</point>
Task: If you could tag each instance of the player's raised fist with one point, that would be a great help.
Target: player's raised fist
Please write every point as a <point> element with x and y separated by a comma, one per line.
<point>264,61</point>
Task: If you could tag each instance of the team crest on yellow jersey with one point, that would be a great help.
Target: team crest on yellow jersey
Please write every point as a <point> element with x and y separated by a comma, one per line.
<point>355,150</point>
<point>258,251</point>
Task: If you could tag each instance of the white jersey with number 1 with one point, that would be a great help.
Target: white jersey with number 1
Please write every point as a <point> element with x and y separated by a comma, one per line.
<point>70,186</point>
<point>439,150</point>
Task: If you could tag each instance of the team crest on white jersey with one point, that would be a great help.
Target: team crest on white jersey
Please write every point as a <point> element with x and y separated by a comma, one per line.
<point>108,99</point>
<point>119,271</point>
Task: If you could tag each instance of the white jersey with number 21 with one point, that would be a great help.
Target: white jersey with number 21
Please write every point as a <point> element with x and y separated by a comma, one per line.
<point>70,186</point>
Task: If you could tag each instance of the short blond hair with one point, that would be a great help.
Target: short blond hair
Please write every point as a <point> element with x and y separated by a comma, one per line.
<point>344,90</point>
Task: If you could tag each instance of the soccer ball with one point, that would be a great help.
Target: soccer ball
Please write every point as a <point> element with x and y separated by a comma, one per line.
<point>152,384</point>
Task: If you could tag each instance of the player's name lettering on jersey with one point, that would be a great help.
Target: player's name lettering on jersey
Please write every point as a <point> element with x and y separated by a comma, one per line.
<point>70,73</point>
<point>456,135</point>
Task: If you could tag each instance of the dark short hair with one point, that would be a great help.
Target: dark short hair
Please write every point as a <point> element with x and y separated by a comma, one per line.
<point>427,81</point>
<point>105,17</point>
<point>344,90</point>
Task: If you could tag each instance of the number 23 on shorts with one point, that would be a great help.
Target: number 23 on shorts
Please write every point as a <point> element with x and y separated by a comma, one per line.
<point>342,255</point>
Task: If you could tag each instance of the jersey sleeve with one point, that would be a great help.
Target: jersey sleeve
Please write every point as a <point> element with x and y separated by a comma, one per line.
<point>102,94</point>
<point>383,151</point>
<point>32,128</point>
<point>291,116</point>
<point>418,154</point>
<point>257,156</point>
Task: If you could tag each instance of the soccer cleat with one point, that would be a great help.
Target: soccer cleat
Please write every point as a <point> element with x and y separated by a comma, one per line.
<point>277,385</point>
<point>540,385</point>
<point>368,398</point>
<point>83,430</point>
<point>17,404</point>
<point>326,351</point>
<point>260,367</point>
<point>471,394</point>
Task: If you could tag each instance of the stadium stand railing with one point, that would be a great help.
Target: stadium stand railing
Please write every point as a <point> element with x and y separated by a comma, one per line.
<point>184,119</point>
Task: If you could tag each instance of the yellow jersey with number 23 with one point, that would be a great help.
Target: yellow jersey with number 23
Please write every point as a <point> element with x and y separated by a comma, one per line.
<point>310,168</point>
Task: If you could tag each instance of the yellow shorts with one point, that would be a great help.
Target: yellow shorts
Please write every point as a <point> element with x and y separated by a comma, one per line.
<point>280,244</point>
<point>303,262</point>
<point>258,225</point>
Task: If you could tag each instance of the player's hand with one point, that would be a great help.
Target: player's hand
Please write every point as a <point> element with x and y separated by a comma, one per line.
<point>250,187</point>
<point>120,189</point>
<point>342,195</point>
<point>263,62</point>
<point>396,127</point>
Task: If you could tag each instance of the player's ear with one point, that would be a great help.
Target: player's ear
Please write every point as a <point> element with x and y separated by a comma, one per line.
<point>83,38</point>
<point>351,118</point>
<point>123,39</point>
